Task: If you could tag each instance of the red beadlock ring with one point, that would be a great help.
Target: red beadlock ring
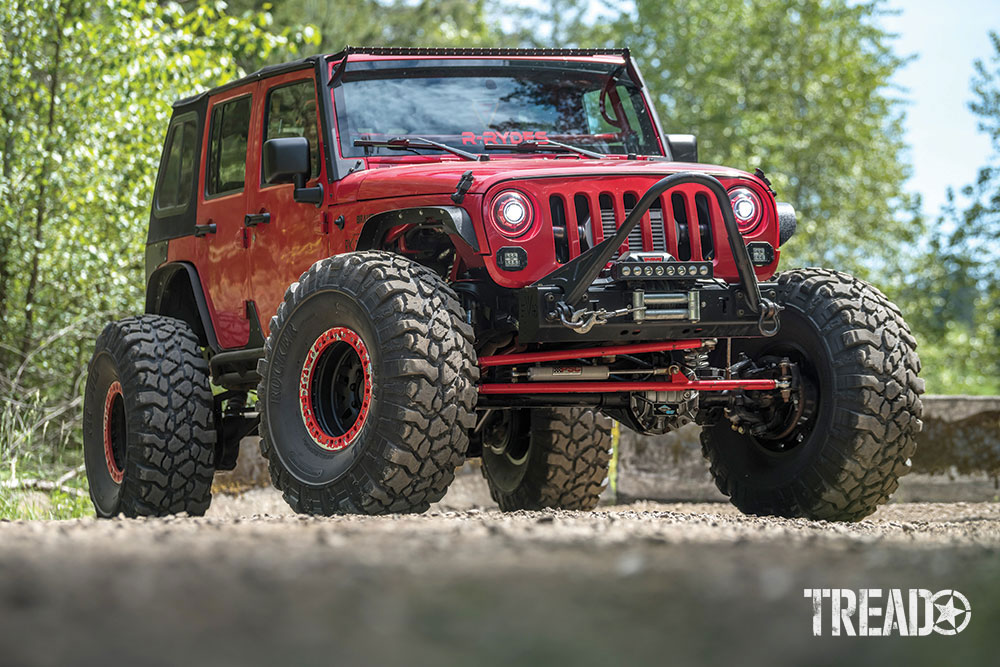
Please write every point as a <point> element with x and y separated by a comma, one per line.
<point>114,391</point>
<point>330,337</point>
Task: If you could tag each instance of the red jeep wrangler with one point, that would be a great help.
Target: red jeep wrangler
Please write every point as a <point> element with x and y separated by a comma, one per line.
<point>418,256</point>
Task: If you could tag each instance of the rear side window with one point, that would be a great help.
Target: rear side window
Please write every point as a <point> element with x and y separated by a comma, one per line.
<point>227,148</point>
<point>291,112</point>
<point>177,173</point>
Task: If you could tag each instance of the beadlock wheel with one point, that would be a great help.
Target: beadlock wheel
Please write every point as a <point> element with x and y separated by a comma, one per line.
<point>335,391</point>
<point>367,387</point>
<point>148,420</point>
<point>114,432</point>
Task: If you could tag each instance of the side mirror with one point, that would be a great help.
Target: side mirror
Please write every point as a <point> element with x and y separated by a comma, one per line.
<point>683,147</point>
<point>286,160</point>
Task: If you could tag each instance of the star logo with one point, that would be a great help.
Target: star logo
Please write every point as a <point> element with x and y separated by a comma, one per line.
<point>953,612</point>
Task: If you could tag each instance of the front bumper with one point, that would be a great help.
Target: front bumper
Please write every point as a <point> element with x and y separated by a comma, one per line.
<point>631,310</point>
<point>696,310</point>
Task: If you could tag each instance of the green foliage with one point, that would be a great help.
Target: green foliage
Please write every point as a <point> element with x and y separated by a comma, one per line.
<point>25,421</point>
<point>953,301</point>
<point>385,22</point>
<point>86,93</point>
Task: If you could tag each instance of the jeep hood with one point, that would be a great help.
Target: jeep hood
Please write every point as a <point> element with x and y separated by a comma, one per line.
<point>442,177</point>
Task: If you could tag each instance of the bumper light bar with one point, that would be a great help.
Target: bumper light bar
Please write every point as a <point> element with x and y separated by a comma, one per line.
<point>667,270</point>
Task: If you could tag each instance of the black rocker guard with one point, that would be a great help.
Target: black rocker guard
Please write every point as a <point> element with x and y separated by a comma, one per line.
<point>725,311</point>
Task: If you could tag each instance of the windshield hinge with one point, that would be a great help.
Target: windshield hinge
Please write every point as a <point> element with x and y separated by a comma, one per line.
<point>464,183</point>
<point>335,77</point>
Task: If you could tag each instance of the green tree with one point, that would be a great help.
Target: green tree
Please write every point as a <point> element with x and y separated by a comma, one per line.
<point>385,22</point>
<point>954,299</point>
<point>86,92</point>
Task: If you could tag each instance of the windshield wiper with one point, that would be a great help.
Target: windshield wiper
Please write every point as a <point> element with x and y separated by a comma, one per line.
<point>539,147</point>
<point>405,144</point>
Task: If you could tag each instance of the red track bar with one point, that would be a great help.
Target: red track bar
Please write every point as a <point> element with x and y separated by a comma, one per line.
<point>585,353</point>
<point>601,387</point>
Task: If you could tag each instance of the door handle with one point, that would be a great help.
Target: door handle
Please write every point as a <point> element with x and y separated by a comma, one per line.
<point>254,219</point>
<point>204,230</point>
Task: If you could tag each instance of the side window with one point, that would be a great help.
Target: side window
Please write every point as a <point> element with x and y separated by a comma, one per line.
<point>291,112</point>
<point>177,173</point>
<point>227,148</point>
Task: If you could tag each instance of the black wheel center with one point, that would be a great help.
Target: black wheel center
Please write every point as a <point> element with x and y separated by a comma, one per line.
<point>502,436</point>
<point>117,431</point>
<point>506,444</point>
<point>338,389</point>
<point>789,424</point>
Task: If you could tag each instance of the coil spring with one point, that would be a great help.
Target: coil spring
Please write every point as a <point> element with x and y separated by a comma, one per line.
<point>696,360</point>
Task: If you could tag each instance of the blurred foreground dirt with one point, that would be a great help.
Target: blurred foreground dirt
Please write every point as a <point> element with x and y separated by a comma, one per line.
<point>643,583</point>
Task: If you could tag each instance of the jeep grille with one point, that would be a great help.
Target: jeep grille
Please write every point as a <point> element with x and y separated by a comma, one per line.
<point>685,232</point>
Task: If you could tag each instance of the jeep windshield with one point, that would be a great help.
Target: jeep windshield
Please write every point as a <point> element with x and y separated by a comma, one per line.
<point>471,104</point>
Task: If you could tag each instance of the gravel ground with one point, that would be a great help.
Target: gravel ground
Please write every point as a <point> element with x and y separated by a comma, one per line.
<point>643,583</point>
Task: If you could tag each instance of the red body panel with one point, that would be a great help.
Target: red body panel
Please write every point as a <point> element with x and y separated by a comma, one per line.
<point>422,183</point>
<point>237,265</point>
<point>221,258</point>
<point>294,239</point>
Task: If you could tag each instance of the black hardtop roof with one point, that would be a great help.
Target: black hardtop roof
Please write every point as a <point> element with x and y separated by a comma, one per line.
<point>310,61</point>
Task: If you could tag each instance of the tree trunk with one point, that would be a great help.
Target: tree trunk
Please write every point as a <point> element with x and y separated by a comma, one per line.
<point>40,209</point>
<point>6,171</point>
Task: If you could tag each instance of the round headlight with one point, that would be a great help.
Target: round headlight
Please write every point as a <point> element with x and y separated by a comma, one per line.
<point>626,271</point>
<point>747,209</point>
<point>512,213</point>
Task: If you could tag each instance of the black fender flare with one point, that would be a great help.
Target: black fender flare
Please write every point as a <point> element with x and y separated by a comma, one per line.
<point>787,222</point>
<point>455,220</point>
<point>175,290</point>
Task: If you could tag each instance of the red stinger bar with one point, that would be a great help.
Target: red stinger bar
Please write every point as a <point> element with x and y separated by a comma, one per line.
<point>600,387</point>
<point>586,353</point>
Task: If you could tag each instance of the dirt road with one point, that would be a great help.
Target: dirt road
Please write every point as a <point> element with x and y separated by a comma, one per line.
<point>644,583</point>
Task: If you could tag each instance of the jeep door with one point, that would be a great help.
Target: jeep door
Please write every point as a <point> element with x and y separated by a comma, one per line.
<point>229,155</point>
<point>293,238</point>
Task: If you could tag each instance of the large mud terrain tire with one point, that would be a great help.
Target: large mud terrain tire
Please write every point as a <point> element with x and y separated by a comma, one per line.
<point>148,421</point>
<point>856,437</point>
<point>546,457</point>
<point>367,387</point>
